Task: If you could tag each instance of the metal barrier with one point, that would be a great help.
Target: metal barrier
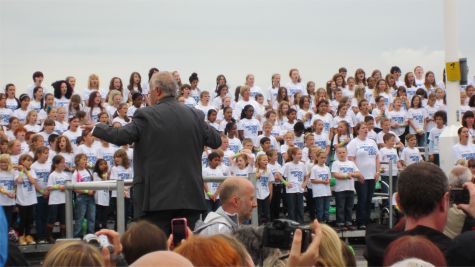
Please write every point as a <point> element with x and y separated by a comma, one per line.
<point>119,185</point>
<point>390,191</point>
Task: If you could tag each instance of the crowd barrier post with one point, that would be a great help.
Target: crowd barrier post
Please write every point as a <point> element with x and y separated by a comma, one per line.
<point>69,209</point>
<point>390,195</point>
<point>120,207</point>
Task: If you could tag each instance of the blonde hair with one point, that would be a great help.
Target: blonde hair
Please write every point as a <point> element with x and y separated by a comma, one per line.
<point>330,248</point>
<point>243,89</point>
<point>73,253</point>
<point>93,76</point>
<point>112,94</point>
<point>258,158</point>
<point>5,158</point>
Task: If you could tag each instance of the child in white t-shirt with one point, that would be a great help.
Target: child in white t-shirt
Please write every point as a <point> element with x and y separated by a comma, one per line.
<point>320,137</point>
<point>410,154</point>
<point>345,171</point>
<point>320,180</point>
<point>264,182</point>
<point>57,199</point>
<point>121,171</point>
<point>389,154</point>
<point>7,188</point>
<point>42,168</point>
<point>212,188</point>
<point>85,203</point>
<point>440,118</point>
<point>102,197</point>
<point>296,175</point>
<point>277,187</point>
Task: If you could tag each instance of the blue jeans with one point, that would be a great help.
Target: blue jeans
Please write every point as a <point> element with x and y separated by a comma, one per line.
<point>85,207</point>
<point>295,206</point>
<point>344,207</point>
<point>365,193</point>
<point>41,217</point>
<point>322,204</point>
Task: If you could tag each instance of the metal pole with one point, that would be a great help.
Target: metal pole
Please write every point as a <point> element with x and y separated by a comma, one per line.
<point>254,218</point>
<point>120,207</point>
<point>390,196</point>
<point>68,193</point>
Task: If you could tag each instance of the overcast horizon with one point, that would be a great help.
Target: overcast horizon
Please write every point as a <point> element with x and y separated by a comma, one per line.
<point>210,37</point>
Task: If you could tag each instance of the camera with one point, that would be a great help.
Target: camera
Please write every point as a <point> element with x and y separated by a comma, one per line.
<point>100,241</point>
<point>459,196</point>
<point>280,234</point>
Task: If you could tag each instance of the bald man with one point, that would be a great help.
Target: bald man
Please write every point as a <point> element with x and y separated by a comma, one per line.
<point>169,139</point>
<point>162,258</point>
<point>238,200</point>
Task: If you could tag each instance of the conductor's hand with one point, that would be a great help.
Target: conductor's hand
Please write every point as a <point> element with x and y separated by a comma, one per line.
<point>88,126</point>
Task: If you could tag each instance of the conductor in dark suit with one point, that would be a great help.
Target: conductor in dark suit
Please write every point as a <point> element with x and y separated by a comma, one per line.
<point>169,139</point>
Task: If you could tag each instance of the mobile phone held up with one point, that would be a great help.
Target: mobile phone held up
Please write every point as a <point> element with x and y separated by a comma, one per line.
<point>459,196</point>
<point>179,226</point>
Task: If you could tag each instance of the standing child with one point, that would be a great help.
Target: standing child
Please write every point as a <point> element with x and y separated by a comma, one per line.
<point>211,189</point>
<point>42,170</point>
<point>85,204</point>
<point>345,171</point>
<point>277,187</point>
<point>321,138</point>
<point>102,197</point>
<point>121,171</point>
<point>388,156</point>
<point>342,136</point>
<point>295,173</point>
<point>31,124</point>
<point>74,132</point>
<point>417,120</point>
<point>410,154</point>
<point>57,199</point>
<point>440,118</point>
<point>7,189</point>
<point>249,127</point>
<point>5,113</point>
<point>320,180</point>
<point>265,179</point>
<point>26,198</point>
<point>241,166</point>
<point>211,118</point>
<point>230,130</point>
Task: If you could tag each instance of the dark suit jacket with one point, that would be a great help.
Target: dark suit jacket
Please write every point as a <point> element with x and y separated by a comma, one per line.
<point>169,139</point>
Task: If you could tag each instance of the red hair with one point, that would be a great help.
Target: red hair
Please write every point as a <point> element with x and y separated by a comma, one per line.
<point>209,251</point>
<point>413,247</point>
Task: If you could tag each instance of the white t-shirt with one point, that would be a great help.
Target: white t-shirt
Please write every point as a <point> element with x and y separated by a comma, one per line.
<point>25,191</point>
<point>102,197</point>
<point>120,173</point>
<point>344,167</point>
<point>295,175</point>
<point>57,178</point>
<point>320,173</point>
<point>337,120</point>
<point>235,144</point>
<point>5,114</point>
<point>321,140</point>
<point>411,92</point>
<point>275,168</point>
<point>42,171</point>
<point>33,128</point>
<point>273,142</point>
<point>94,116</point>
<point>107,154</point>
<point>62,102</point>
<point>68,159</point>
<point>262,184</point>
<point>73,136</point>
<point>20,114</point>
<point>251,129</point>
<point>430,114</point>
<point>365,153</point>
<point>12,104</point>
<point>410,155</point>
<point>205,109</point>
<point>327,120</point>
<point>434,136</point>
<point>208,172</point>
<point>389,155</point>
<point>463,151</point>
<point>236,171</point>
<point>417,116</point>
<point>294,88</point>
<point>401,118</point>
<point>377,113</point>
<point>87,92</point>
<point>7,182</point>
<point>91,153</point>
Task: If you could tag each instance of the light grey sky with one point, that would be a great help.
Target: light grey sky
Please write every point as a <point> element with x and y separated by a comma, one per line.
<point>114,38</point>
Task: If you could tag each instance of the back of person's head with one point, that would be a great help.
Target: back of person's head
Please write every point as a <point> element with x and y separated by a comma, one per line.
<point>421,186</point>
<point>209,251</point>
<point>142,238</point>
<point>458,176</point>
<point>413,247</point>
<point>245,258</point>
<point>330,248</point>
<point>251,238</point>
<point>162,258</point>
<point>73,253</point>
<point>412,262</point>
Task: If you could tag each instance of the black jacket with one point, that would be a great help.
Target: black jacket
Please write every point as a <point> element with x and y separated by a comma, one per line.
<point>378,238</point>
<point>169,139</point>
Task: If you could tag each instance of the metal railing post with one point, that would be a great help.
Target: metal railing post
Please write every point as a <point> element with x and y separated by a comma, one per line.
<point>254,218</point>
<point>120,207</point>
<point>390,195</point>
<point>69,210</point>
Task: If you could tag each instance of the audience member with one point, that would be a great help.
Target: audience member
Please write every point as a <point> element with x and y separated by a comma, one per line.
<point>141,238</point>
<point>413,247</point>
<point>73,253</point>
<point>162,259</point>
